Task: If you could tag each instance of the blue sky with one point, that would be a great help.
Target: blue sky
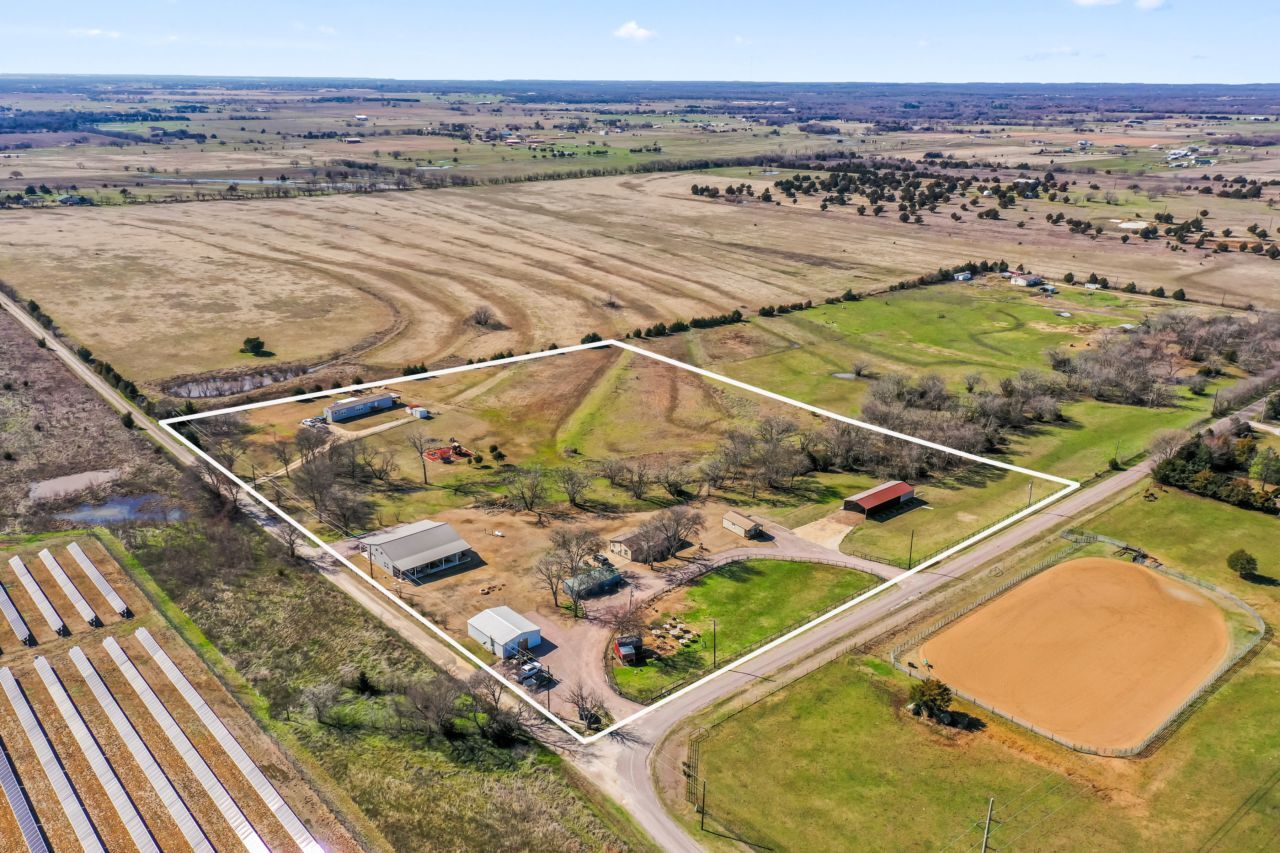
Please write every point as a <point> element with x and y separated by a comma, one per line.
<point>1157,41</point>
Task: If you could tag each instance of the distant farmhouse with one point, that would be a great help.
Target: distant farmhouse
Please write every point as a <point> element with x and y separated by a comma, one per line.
<point>419,549</point>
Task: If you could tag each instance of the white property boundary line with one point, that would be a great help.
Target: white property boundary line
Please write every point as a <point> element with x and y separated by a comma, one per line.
<point>1068,486</point>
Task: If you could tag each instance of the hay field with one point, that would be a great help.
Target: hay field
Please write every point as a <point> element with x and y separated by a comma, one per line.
<point>1096,651</point>
<point>394,278</point>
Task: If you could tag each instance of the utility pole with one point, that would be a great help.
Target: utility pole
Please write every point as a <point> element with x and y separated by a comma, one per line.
<point>911,548</point>
<point>702,821</point>
<point>714,656</point>
<point>1030,486</point>
<point>986,830</point>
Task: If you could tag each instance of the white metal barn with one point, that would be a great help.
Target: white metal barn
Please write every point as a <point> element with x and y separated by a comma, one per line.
<point>503,631</point>
<point>414,550</point>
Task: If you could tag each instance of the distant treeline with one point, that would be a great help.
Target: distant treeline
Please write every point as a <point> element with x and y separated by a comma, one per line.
<point>32,121</point>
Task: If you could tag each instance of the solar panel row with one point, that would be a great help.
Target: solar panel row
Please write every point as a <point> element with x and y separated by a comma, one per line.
<point>96,578</point>
<point>42,602</point>
<point>18,804</point>
<point>83,827</point>
<point>210,718</point>
<point>69,589</point>
<point>155,774</point>
<point>15,620</point>
<point>182,744</point>
<point>102,769</point>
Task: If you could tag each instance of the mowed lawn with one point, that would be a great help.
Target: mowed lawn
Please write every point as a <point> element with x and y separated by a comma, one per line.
<point>750,601</point>
<point>834,757</point>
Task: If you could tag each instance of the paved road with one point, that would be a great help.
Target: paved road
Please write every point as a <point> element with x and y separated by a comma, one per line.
<point>623,765</point>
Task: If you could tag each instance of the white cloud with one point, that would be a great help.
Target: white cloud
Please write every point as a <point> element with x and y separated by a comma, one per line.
<point>93,33</point>
<point>1095,2</point>
<point>633,31</point>
<point>1149,5</point>
<point>742,41</point>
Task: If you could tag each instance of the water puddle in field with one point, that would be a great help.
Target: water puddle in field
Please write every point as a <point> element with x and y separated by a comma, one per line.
<point>119,510</point>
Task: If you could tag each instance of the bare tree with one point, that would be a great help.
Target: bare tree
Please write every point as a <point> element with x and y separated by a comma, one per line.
<point>291,537</point>
<point>674,477</point>
<point>433,703</point>
<point>322,699</point>
<point>309,442</point>
<point>315,480</point>
<point>573,482</point>
<point>589,704</point>
<point>972,381</point>
<point>676,526</point>
<point>1166,444</point>
<point>348,510</point>
<point>483,315</point>
<point>420,442</point>
<point>615,471</point>
<point>574,545</point>
<point>282,450</point>
<point>552,572</point>
<point>639,476</point>
<point>222,487</point>
<point>527,487</point>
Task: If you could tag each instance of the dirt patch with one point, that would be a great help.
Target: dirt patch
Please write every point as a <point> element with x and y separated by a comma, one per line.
<point>1096,651</point>
<point>829,532</point>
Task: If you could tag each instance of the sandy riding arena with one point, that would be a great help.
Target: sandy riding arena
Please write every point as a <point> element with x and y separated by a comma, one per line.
<point>1099,652</point>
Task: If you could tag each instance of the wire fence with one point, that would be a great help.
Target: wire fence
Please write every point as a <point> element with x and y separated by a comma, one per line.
<point>1080,539</point>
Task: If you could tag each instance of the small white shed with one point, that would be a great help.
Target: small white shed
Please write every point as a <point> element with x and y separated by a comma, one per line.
<point>503,631</point>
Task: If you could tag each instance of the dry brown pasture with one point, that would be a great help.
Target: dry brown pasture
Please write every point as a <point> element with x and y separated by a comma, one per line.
<point>392,279</point>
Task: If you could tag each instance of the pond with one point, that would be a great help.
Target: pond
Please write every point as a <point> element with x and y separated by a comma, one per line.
<point>119,510</point>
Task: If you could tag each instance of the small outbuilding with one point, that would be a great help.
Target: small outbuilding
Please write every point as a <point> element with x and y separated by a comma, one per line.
<point>743,525</point>
<point>504,632</point>
<point>1027,280</point>
<point>883,497</point>
<point>629,647</point>
<point>594,581</point>
<point>963,276</point>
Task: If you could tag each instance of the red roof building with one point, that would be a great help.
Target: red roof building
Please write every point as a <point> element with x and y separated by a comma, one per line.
<point>883,496</point>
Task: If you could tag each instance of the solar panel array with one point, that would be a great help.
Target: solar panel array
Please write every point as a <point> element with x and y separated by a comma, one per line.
<point>102,769</point>
<point>95,576</point>
<point>11,614</point>
<point>159,780</point>
<point>182,744</point>
<point>33,589</point>
<point>76,815</point>
<point>210,718</point>
<point>69,589</point>
<point>18,804</point>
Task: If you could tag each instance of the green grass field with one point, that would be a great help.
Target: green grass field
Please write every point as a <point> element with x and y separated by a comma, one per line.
<point>846,761</point>
<point>750,601</point>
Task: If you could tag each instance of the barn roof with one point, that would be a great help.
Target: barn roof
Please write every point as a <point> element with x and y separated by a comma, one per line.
<point>881,494</point>
<point>743,521</point>
<point>413,545</point>
<point>501,624</point>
